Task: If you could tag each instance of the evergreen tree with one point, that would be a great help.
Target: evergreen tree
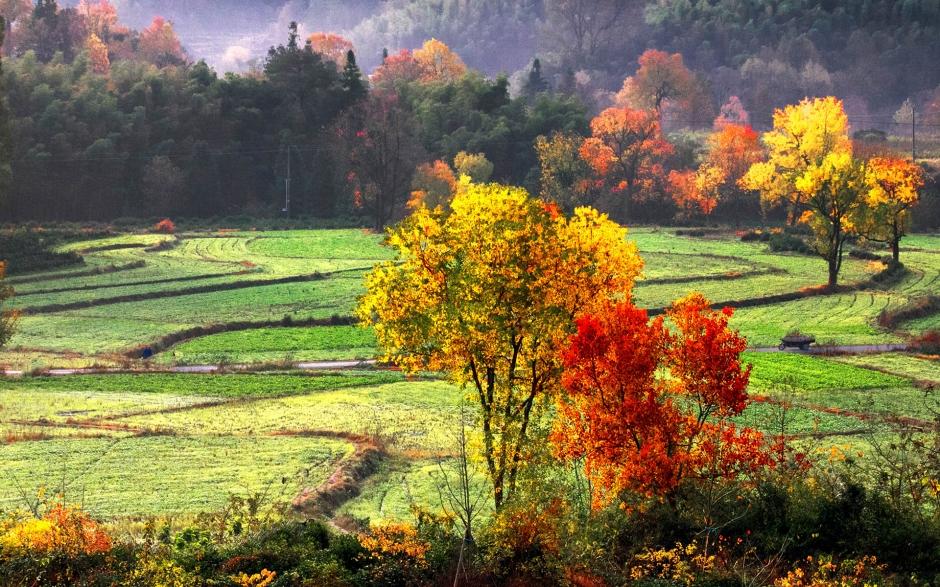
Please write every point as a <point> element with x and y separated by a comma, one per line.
<point>535,84</point>
<point>352,78</point>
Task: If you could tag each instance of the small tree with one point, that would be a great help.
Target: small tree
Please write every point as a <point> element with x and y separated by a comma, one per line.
<point>895,185</point>
<point>648,407</point>
<point>487,293</point>
<point>7,317</point>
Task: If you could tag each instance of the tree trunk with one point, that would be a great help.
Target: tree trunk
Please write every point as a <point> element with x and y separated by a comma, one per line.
<point>896,250</point>
<point>833,272</point>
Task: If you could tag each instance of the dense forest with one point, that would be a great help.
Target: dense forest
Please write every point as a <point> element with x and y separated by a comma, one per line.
<point>107,121</point>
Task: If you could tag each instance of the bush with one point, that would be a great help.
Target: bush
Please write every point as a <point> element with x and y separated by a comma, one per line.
<point>864,255</point>
<point>927,342</point>
<point>750,236</point>
<point>786,242</point>
<point>165,226</point>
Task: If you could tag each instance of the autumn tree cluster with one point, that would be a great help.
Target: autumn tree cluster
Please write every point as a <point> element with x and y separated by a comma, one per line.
<point>810,169</point>
<point>526,307</point>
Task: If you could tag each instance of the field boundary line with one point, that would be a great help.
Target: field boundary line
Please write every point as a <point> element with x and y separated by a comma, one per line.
<point>102,270</point>
<point>132,283</point>
<point>140,297</point>
<point>346,481</point>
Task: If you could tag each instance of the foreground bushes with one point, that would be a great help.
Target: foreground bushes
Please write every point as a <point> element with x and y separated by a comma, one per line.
<point>789,529</point>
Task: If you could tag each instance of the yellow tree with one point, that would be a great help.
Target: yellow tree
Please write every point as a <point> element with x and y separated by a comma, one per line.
<point>803,135</point>
<point>565,177</point>
<point>834,200</point>
<point>894,190</point>
<point>488,293</point>
<point>810,169</point>
<point>98,55</point>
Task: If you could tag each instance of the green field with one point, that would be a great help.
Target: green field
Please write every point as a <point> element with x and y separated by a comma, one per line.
<point>180,443</point>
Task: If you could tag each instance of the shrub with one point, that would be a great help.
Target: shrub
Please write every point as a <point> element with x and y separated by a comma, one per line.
<point>750,236</point>
<point>165,226</point>
<point>927,342</point>
<point>857,253</point>
<point>786,242</point>
<point>823,571</point>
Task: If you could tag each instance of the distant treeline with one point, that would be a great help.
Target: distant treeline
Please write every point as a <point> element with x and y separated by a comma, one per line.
<point>101,121</point>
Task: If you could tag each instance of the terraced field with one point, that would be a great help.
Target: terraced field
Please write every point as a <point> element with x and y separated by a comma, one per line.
<point>176,444</point>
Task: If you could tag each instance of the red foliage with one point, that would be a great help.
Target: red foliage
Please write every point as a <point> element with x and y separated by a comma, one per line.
<point>648,407</point>
<point>165,226</point>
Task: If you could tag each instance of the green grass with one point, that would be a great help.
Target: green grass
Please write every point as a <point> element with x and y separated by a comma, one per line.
<point>115,477</point>
<point>247,385</point>
<point>772,371</point>
<point>415,416</point>
<point>271,344</point>
<point>900,364</point>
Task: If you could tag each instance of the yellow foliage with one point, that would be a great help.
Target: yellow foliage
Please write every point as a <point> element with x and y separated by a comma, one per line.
<point>682,564</point>
<point>62,529</point>
<point>159,572</point>
<point>262,579</point>
<point>823,572</point>
<point>438,63</point>
<point>488,293</point>
<point>395,541</point>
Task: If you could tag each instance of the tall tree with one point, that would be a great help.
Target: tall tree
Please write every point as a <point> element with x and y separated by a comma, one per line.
<point>383,153</point>
<point>660,78</point>
<point>487,293</point>
<point>803,136</point>
<point>535,83</point>
<point>811,168</point>
<point>626,150</point>
<point>352,78</point>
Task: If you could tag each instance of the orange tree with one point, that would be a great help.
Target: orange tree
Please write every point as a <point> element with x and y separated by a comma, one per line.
<point>648,407</point>
<point>894,190</point>
<point>626,150</point>
<point>487,293</point>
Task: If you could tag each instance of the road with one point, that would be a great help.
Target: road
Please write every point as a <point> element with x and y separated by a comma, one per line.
<point>354,364</point>
<point>306,366</point>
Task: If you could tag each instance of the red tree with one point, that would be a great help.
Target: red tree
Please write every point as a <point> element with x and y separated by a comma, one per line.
<point>648,407</point>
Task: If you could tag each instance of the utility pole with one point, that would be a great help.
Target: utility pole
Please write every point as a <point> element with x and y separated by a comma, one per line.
<point>913,135</point>
<point>286,209</point>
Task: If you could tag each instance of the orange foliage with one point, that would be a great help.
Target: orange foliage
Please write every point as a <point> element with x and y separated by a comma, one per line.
<point>165,226</point>
<point>696,192</point>
<point>625,150</point>
<point>661,77</point>
<point>159,43</point>
<point>733,148</point>
<point>438,63</point>
<point>63,530</point>
<point>400,67</point>
<point>648,407</point>
<point>331,47</point>
<point>101,18</point>
<point>434,185</point>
